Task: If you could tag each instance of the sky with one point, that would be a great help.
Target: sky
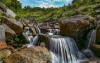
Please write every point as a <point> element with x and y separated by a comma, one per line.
<point>45,3</point>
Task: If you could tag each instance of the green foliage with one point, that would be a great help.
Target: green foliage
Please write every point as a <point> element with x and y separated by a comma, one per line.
<point>13,5</point>
<point>8,40</point>
<point>78,7</point>
<point>16,40</point>
<point>20,39</point>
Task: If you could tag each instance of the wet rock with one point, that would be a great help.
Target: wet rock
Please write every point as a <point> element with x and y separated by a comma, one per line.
<point>88,54</point>
<point>13,24</point>
<point>96,50</point>
<point>8,31</point>
<point>98,35</point>
<point>92,61</point>
<point>33,30</point>
<point>30,55</point>
<point>43,41</point>
<point>2,33</point>
<point>25,37</point>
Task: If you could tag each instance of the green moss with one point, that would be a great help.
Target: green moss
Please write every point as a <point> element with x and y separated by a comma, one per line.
<point>8,40</point>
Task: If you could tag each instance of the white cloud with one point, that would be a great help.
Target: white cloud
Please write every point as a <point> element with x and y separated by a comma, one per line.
<point>46,5</point>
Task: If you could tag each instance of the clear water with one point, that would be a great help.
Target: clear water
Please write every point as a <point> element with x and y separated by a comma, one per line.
<point>32,40</point>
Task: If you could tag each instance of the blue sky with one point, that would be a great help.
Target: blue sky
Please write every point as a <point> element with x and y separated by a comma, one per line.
<point>45,3</point>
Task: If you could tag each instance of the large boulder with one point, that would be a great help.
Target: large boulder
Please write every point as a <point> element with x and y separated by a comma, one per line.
<point>2,38</point>
<point>13,24</point>
<point>78,27</point>
<point>30,55</point>
<point>10,12</point>
<point>76,24</point>
<point>2,34</point>
<point>8,31</point>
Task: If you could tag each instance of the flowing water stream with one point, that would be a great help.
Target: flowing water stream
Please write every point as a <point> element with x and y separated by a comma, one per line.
<point>64,50</point>
<point>32,40</point>
<point>91,38</point>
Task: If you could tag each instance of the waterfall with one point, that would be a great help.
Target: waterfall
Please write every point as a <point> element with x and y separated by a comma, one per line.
<point>53,31</point>
<point>50,32</point>
<point>57,31</point>
<point>64,50</point>
<point>91,38</point>
<point>32,40</point>
<point>38,30</point>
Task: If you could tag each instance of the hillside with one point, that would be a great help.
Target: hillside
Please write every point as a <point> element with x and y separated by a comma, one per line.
<point>78,7</point>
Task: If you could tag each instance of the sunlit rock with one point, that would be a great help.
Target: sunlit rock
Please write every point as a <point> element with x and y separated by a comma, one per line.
<point>30,55</point>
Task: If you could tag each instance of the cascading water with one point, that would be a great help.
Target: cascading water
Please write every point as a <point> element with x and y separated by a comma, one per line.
<point>64,50</point>
<point>57,31</point>
<point>53,32</point>
<point>91,38</point>
<point>38,30</point>
<point>50,32</point>
<point>32,40</point>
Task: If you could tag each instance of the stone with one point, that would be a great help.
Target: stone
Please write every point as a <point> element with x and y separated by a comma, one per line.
<point>73,25</point>
<point>3,45</point>
<point>24,21</point>
<point>2,7</point>
<point>2,34</point>
<point>30,55</point>
<point>4,54</point>
<point>98,34</point>
<point>96,50</point>
<point>25,36</point>
<point>77,27</point>
<point>88,54</point>
<point>33,30</point>
<point>93,61</point>
<point>8,31</point>
<point>13,24</point>
<point>21,25</point>
<point>10,12</point>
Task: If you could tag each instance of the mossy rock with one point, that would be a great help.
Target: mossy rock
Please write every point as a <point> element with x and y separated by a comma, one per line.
<point>98,35</point>
<point>96,50</point>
